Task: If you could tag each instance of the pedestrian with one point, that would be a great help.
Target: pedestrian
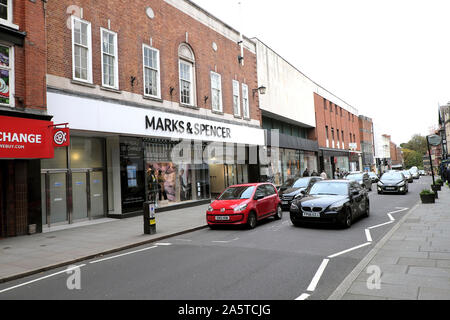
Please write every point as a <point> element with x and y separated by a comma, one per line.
<point>323,175</point>
<point>314,174</point>
<point>306,173</point>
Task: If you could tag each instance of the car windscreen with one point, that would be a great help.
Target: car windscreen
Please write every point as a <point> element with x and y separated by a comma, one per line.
<point>392,176</point>
<point>301,183</point>
<point>354,177</point>
<point>236,193</point>
<point>406,173</point>
<point>329,188</point>
<point>288,183</point>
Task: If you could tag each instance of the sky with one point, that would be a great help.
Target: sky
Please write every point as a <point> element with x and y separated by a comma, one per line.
<point>390,59</point>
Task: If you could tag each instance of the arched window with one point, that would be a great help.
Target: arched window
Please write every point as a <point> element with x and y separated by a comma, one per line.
<point>186,63</point>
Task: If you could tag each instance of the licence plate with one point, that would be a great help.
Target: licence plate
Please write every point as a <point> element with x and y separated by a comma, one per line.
<point>222,218</point>
<point>390,188</point>
<point>284,202</point>
<point>311,214</point>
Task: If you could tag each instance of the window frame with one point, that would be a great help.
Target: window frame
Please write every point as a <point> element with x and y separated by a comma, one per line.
<point>89,47</point>
<point>158,89</point>
<point>245,98</point>
<point>116,58</point>
<point>233,83</point>
<point>12,78</point>
<point>212,73</point>
<point>10,12</point>
<point>190,61</point>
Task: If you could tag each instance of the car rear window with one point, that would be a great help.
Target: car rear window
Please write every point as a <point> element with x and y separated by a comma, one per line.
<point>236,193</point>
<point>329,188</point>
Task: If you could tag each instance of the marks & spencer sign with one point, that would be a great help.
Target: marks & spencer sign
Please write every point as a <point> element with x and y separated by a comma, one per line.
<point>187,127</point>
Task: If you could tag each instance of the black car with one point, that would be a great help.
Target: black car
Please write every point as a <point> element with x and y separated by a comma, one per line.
<point>293,188</point>
<point>373,176</point>
<point>362,178</point>
<point>331,201</point>
<point>393,182</point>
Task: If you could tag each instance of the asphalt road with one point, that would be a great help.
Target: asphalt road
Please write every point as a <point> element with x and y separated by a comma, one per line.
<point>274,261</point>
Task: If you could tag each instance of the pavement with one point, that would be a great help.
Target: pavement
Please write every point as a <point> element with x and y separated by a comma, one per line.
<point>27,255</point>
<point>413,259</point>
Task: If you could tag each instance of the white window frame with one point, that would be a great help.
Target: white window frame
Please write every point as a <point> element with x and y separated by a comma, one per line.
<point>12,78</point>
<point>236,93</point>
<point>192,81</point>
<point>158,95</point>
<point>220,91</point>
<point>9,22</point>
<point>116,59</point>
<point>89,47</point>
<point>245,111</point>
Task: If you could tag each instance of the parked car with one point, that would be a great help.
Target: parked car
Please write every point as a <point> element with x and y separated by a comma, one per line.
<point>293,188</point>
<point>415,172</point>
<point>373,176</point>
<point>244,205</point>
<point>408,176</point>
<point>331,201</point>
<point>422,172</point>
<point>393,182</point>
<point>362,178</point>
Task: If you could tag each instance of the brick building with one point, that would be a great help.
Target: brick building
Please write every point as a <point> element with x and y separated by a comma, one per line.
<point>367,142</point>
<point>127,88</point>
<point>396,155</point>
<point>24,125</point>
<point>337,132</point>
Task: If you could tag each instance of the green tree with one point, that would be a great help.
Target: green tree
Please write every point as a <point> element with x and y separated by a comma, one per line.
<point>417,143</point>
<point>412,158</point>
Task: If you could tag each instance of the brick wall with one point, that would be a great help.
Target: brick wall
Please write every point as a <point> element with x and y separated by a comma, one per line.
<point>324,117</point>
<point>168,30</point>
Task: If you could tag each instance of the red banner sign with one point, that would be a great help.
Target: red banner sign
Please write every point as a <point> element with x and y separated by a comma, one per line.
<point>61,137</point>
<point>22,138</point>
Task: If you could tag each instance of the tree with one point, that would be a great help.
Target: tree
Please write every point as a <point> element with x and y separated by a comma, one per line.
<point>417,143</point>
<point>412,158</point>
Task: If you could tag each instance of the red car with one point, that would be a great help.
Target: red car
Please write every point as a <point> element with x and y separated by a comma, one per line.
<point>245,204</point>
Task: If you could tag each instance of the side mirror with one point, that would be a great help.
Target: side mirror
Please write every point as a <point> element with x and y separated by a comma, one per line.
<point>303,192</point>
<point>355,193</point>
<point>259,197</point>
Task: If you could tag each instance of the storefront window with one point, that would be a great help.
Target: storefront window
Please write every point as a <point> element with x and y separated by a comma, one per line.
<point>86,152</point>
<point>308,160</point>
<point>342,163</point>
<point>168,182</point>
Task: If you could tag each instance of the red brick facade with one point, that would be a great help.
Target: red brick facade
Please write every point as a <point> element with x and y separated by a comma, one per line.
<point>342,120</point>
<point>169,28</point>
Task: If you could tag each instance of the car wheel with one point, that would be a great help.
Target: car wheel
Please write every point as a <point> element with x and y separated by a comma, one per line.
<point>347,223</point>
<point>367,213</point>
<point>279,213</point>
<point>251,220</point>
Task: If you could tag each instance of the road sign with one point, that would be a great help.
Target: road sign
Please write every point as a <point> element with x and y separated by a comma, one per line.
<point>434,140</point>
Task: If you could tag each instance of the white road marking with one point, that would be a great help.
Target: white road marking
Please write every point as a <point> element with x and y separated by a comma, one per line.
<point>368,236</point>
<point>42,278</point>
<point>187,240</point>
<point>225,241</point>
<point>318,275</point>
<point>391,217</point>
<point>303,296</point>
<point>123,254</point>
<point>163,244</point>
<point>382,224</point>
<point>400,210</point>
<point>348,250</point>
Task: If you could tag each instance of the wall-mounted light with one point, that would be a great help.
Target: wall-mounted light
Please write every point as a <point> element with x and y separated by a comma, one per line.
<point>240,58</point>
<point>171,90</point>
<point>132,80</point>
<point>261,90</point>
<point>206,99</point>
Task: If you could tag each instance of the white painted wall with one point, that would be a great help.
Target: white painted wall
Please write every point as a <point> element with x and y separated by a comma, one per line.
<point>289,93</point>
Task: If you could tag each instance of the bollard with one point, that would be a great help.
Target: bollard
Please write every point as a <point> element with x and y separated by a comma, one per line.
<point>149,217</point>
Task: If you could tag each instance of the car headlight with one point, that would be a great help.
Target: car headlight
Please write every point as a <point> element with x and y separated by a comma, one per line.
<point>240,208</point>
<point>380,183</point>
<point>210,209</point>
<point>401,184</point>
<point>335,207</point>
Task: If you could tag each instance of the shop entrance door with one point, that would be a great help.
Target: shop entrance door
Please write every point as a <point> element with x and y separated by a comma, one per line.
<point>72,195</point>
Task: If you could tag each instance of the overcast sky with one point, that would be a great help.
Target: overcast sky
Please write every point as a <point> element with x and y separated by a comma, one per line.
<point>389,59</point>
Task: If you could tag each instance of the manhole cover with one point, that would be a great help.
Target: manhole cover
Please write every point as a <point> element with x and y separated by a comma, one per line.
<point>51,237</point>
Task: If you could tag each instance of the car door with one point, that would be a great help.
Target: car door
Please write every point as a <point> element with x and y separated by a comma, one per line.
<point>261,204</point>
<point>272,198</point>
<point>356,192</point>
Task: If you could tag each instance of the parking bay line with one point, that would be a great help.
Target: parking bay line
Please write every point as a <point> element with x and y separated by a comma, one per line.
<point>303,296</point>
<point>348,250</point>
<point>123,254</point>
<point>42,278</point>
<point>318,275</point>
